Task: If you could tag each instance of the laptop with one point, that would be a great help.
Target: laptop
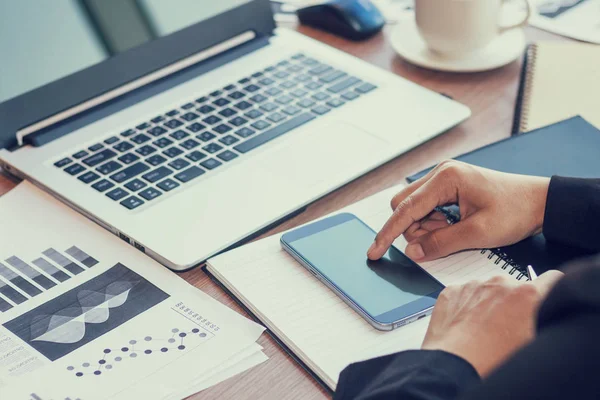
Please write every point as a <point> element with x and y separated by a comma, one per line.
<point>186,127</point>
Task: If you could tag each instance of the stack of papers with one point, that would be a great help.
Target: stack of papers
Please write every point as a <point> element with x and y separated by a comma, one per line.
<point>85,315</point>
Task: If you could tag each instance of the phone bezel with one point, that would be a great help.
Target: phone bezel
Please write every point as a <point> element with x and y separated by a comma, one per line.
<point>396,317</point>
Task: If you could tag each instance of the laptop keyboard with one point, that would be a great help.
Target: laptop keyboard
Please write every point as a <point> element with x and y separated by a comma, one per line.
<point>165,153</point>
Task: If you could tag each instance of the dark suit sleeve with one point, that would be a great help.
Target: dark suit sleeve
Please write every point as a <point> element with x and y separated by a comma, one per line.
<point>573,212</point>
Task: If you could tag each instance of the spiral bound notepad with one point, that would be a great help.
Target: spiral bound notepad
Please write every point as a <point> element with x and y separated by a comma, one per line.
<point>314,325</point>
<point>560,80</point>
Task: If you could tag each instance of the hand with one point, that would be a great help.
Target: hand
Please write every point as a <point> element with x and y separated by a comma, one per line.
<point>486,322</point>
<point>497,209</point>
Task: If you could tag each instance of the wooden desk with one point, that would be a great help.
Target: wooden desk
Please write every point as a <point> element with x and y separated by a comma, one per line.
<point>491,97</point>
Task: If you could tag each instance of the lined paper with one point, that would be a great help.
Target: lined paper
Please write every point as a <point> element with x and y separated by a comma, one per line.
<point>312,321</point>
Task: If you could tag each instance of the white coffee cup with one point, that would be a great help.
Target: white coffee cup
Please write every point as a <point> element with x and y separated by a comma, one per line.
<point>459,27</point>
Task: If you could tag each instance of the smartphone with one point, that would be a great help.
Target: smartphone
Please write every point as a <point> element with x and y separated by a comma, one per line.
<point>387,293</point>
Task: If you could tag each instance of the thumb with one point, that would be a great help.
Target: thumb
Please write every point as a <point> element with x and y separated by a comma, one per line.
<point>466,234</point>
<point>545,282</point>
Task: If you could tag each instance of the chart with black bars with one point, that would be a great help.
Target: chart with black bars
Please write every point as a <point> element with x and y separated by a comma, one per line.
<point>21,280</point>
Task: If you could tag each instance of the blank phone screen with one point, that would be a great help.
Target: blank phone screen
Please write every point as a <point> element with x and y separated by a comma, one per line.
<point>339,254</point>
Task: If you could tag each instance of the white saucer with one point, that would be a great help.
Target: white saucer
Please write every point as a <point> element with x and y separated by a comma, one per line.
<point>503,50</point>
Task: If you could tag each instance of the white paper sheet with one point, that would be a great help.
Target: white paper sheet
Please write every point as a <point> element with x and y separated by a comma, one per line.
<point>85,315</point>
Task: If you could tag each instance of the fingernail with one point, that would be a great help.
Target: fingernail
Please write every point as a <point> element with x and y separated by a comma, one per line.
<point>415,251</point>
<point>371,249</point>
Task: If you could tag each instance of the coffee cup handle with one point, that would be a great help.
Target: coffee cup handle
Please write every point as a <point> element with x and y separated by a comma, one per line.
<point>518,24</point>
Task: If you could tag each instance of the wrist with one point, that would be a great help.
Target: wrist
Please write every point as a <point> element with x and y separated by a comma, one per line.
<point>539,198</point>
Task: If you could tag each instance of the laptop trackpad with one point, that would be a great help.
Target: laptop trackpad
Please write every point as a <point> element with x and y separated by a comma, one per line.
<point>318,156</point>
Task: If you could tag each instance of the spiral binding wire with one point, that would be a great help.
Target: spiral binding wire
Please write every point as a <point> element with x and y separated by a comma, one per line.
<point>528,87</point>
<point>508,264</point>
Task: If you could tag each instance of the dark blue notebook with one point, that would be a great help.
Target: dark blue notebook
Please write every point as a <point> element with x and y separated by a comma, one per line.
<point>568,148</point>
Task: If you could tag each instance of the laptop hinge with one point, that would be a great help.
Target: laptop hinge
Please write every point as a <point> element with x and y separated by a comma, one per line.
<point>60,124</point>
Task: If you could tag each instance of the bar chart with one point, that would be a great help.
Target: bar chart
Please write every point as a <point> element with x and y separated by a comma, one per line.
<point>20,280</point>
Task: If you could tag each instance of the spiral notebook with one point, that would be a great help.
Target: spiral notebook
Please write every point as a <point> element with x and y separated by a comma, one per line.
<point>317,328</point>
<point>559,80</point>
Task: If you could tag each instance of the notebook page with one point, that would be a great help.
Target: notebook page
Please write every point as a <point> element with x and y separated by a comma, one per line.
<point>317,326</point>
<point>565,82</point>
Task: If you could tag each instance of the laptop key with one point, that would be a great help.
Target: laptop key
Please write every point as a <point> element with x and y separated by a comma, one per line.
<point>172,113</point>
<point>343,85</point>
<point>266,81</point>
<point>238,121</point>
<point>64,162</point>
<point>128,158</point>
<point>244,132</point>
<point>172,152</point>
<point>189,174</point>
<point>136,185</point>
<point>268,107</point>
<point>150,193</point>
<point>202,99</point>
<point>212,148</point>
<point>155,160</point>
<point>167,185</point>
<point>243,105</point>
<point>227,112</point>
<point>178,135</point>
<point>284,99</point>
<point>139,139</point>
<point>253,114</point>
<point>111,140</point>
<point>313,85</point>
<point>157,174</point>
<point>350,95</point>
<point>206,109</point>
<point>129,172</point>
<point>195,127</point>
<point>98,158</point>
<point>332,76</point>
<point>309,61</point>
<point>320,96</point>
<point>206,136</point>
<point>299,93</point>
<point>221,102</point>
<point>178,164</point>
<point>295,68</point>
<point>187,106</point>
<point>211,163</point>
<point>281,74</point>
<point>273,133</point>
<point>321,110</point>
<point>273,91</point>
<point>143,126</point>
<point>117,194</point>
<point>237,95</point>
<point>222,128</point>
<point>189,144</point>
<point>109,167</point>
<point>288,84</point>
<point>96,147</point>
<point>228,140</point>
<point>211,120</point>
<point>158,119</point>
<point>258,98</point>
<point>298,56</point>
<point>243,81</point>
<point>252,88</point>
<point>365,88</point>
<point>195,156</point>
<point>123,146</point>
<point>145,150</point>
<point>306,103</point>
<point>157,131</point>
<point>128,132</point>
<point>162,142</point>
<point>303,78</point>
<point>276,117</point>
<point>318,70</point>
<point>260,124</point>
<point>132,202</point>
<point>174,123</point>
<point>88,177</point>
<point>216,93</point>
<point>80,154</point>
<point>257,74</point>
<point>103,185</point>
<point>227,155</point>
<point>335,103</point>
<point>229,87</point>
<point>74,169</point>
<point>291,110</point>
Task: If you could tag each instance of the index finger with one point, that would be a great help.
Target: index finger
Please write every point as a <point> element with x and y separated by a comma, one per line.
<point>416,206</point>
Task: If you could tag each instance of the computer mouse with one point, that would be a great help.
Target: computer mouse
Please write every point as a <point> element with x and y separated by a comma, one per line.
<point>352,19</point>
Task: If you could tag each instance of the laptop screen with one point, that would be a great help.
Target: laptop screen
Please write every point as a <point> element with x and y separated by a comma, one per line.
<point>41,41</point>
